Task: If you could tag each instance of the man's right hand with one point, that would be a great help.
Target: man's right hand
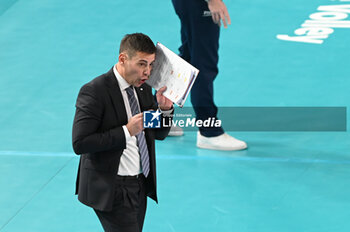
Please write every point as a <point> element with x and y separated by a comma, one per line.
<point>135,124</point>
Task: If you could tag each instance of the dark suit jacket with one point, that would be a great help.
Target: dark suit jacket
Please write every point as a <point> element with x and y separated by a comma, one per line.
<point>99,138</point>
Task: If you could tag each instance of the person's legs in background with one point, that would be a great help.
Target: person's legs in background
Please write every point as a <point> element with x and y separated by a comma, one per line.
<point>200,44</point>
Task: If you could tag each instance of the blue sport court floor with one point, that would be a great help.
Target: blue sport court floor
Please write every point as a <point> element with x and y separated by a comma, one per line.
<point>285,181</point>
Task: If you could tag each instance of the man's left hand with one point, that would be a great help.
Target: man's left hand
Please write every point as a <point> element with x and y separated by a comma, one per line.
<point>219,12</point>
<point>163,102</point>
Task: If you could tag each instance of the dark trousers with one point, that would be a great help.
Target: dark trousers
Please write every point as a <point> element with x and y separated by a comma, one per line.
<point>200,44</point>
<point>129,207</point>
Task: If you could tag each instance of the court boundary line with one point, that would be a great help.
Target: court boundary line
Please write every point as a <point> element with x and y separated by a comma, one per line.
<point>34,195</point>
<point>10,6</point>
<point>220,157</point>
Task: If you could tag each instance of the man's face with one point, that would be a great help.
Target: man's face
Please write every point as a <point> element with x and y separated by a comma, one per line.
<point>138,68</point>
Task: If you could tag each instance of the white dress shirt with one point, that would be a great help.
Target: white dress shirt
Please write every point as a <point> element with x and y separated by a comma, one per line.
<point>130,162</point>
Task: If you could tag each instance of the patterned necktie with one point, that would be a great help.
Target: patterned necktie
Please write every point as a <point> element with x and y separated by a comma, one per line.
<point>143,150</point>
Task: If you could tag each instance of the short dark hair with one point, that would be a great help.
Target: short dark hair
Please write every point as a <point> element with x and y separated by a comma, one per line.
<point>136,42</point>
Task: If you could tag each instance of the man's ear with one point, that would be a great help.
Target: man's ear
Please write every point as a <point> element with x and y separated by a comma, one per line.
<point>122,58</point>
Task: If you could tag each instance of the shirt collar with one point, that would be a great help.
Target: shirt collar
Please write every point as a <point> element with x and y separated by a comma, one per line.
<point>122,82</point>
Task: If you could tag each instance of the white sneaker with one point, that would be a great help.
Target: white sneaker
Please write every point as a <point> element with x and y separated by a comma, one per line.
<point>221,142</point>
<point>176,131</point>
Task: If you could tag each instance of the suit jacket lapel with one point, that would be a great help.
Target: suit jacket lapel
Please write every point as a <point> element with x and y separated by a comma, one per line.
<point>116,97</point>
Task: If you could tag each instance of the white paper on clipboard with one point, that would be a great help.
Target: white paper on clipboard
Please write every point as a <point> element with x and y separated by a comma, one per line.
<point>175,73</point>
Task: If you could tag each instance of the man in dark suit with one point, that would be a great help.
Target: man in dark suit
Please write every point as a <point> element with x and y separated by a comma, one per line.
<point>117,169</point>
